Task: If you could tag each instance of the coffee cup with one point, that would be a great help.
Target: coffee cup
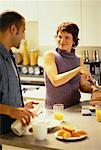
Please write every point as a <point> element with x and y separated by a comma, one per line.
<point>19,129</point>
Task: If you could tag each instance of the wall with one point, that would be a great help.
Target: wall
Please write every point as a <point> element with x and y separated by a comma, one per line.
<point>91,22</point>
<point>28,8</point>
<point>43,16</point>
<point>52,13</point>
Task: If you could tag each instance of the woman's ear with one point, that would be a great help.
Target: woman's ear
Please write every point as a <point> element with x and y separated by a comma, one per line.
<point>73,46</point>
<point>13,29</point>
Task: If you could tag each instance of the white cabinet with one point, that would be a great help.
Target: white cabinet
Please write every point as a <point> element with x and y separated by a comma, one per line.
<point>29,9</point>
<point>86,13</point>
<point>52,13</point>
<point>91,22</point>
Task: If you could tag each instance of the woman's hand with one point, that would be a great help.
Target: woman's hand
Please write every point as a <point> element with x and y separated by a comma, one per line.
<point>85,74</point>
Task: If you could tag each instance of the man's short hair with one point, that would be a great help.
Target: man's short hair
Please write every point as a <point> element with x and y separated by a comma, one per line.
<point>7,18</point>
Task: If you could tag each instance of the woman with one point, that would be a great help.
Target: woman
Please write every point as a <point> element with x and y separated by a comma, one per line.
<point>63,68</point>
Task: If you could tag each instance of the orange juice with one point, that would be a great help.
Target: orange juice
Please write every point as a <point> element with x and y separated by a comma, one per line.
<point>98,114</point>
<point>58,111</point>
<point>58,116</point>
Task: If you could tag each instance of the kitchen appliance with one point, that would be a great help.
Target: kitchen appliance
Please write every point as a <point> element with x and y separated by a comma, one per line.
<point>95,55</point>
<point>86,56</point>
<point>30,70</point>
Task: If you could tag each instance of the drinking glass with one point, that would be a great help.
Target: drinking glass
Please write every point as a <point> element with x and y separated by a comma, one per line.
<point>98,112</point>
<point>58,111</point>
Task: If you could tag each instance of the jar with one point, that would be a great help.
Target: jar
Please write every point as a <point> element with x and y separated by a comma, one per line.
<point>34,57</point>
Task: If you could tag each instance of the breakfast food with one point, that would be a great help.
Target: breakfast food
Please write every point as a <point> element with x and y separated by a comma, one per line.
<point>69,131</point>
<point>67,134</point>
<point>78,133</point>
<point>68,128</point>
<point>61,132</point>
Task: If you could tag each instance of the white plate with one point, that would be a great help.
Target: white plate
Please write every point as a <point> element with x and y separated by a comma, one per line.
<point>70,138</point>
<point>48,119</point>
<point>52,123</point>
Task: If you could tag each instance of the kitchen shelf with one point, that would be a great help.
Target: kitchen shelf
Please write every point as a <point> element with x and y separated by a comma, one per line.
<point>92,62</point>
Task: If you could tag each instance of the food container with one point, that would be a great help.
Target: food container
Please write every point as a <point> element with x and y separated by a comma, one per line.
<point>33,57</point>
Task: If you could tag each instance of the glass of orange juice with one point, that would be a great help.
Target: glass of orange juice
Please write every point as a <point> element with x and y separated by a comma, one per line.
<point>98,112</point>
<point>58,111</point>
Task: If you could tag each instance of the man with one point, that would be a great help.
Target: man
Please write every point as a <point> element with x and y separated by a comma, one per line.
<point>12,27</point>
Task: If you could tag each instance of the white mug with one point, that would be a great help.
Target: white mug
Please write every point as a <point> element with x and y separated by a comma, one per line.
<point>39,130</point>
<point>19,129</point>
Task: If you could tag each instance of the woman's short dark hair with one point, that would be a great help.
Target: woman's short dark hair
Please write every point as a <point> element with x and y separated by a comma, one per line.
<point>8,18</point>
<point>70,28</point>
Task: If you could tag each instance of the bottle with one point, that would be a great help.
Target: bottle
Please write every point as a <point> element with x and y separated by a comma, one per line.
<point>86,56</point>
<point>95,55</point>
<point>25,54</point>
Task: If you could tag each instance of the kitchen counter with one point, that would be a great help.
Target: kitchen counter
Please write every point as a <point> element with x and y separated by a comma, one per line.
<point>74,117</point>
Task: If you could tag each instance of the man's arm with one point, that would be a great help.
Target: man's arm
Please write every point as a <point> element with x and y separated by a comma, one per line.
<point>22,114</point>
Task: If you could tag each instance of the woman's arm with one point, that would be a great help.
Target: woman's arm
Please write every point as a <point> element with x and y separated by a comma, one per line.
<point>86,73</point>
<point>52,72</point>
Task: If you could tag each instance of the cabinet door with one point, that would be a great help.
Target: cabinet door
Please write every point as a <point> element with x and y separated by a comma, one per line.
<point>91,22</point>
<point>27,8</point>
<point>52,13</point>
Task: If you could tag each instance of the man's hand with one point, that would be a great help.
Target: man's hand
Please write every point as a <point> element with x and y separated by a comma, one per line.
<point>21,114</point>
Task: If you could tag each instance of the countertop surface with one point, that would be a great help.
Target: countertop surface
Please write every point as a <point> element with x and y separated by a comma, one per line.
<point>74,117</point>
